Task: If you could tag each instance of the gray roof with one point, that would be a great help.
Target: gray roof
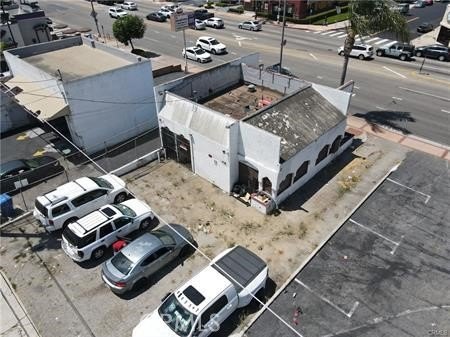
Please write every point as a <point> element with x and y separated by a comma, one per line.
<point>141,246</point>
<point>299,119</point>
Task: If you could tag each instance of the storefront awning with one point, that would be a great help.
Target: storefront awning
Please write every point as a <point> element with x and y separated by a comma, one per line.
<point>41,98</point>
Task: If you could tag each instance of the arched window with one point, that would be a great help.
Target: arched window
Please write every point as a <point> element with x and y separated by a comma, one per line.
<point>285,183</point>
<point>336,144</point>
<point>322,154</point>
<point>267,185</point>
<point>302,170</point>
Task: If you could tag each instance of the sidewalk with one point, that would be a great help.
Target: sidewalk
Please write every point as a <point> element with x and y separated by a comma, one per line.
<point>359,126</point>
<point>14,320</point>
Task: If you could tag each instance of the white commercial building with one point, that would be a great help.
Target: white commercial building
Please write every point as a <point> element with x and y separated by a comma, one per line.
<point>252,133</point>
<point>105,95</point>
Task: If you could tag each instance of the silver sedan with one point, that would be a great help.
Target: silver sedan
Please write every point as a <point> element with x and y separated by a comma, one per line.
<point>137,262</point>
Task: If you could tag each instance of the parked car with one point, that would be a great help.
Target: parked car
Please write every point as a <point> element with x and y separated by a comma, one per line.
<point>215,23</point>
<point>211,44</point>
<point>275,68</point>
<point>128,5</point>
<point>20,173</point>
<point>425,27</point>
<point>361,51</point>
<point>202,14</point>
<point>166,12</point>
<point>250,25</point>
<point>198,25</point>
<point>419,4</point>
<point>143,257</point>
<point>199,306</point>
<point>428,2</point>
<point>402,51</point>
<point>73,200</point>
<point>196,54</point>
<point>116,12</point>
<point>434,52</point>
<point>156,16</point>
<point>90,236</point>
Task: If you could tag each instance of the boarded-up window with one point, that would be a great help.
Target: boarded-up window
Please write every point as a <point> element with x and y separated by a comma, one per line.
<point>301,170</point>
<point>322,154</point>
<point>336,144</point>
<point>285,183</point>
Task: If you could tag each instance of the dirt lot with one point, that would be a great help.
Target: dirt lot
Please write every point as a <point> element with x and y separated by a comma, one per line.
<point>67,299</point>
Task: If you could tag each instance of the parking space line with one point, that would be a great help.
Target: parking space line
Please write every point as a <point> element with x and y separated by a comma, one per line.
<point>348,314</point>
<point>396,244</point>
<point>428,197</point>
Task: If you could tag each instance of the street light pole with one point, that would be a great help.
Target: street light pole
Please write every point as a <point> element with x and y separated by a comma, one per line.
<point>94,15</point>
<point>282,36</point>
<point>278,11</point>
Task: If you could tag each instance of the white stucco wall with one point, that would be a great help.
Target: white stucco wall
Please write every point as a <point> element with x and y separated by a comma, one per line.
<point>111,107</point>
<point>340,99</point>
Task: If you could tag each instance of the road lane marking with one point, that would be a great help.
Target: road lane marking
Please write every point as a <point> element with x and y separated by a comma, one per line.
<point>397,98</point>
<point>342,36</point>
<point>173,36</point>
<point>338,33</point>
<point>396,244</point>
<point>356,87</point>
<point>426,94</point>
<point>396,73</point>
<point>319,77</point>
<point>330,32</point>
<point>374,39</point>
<point>413,19</point>
<point>317,32</point>
<point>312,55</point>
<point>379,107</point>
<point>427,196</point>
<point>445,111</point>
<point>239,43</point>
<point>233,53</point>
<point>382,41</point>
<point>348,314</point>
<point>149,38</point>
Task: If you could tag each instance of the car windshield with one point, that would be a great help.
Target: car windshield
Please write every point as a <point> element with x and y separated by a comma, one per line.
<point>179,319</point>
<point>165,238</point>
<point>75,240</point>
<point>102,182</point>
<point>118,10</point>
<point>214,42</point>
<point>122,263</point>
<point>125,210</point>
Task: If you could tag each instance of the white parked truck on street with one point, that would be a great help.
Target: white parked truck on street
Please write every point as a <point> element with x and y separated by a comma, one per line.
<point>202,304</point>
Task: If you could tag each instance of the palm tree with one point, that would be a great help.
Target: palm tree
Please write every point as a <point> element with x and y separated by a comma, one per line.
<point>368,17</point>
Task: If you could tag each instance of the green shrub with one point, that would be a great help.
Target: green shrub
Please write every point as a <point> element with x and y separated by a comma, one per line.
<point>239,10</point>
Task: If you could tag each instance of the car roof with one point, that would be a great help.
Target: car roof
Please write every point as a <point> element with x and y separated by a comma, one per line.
<point>209,38</point>
<point>146,243</point>
<point>68,190</point>
<point>11,165</point>
<point>88,223</point>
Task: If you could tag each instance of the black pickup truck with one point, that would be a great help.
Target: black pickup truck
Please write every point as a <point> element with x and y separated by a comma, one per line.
<point>202,14</point>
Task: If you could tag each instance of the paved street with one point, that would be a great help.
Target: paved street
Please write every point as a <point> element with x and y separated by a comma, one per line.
<point>388,91</point>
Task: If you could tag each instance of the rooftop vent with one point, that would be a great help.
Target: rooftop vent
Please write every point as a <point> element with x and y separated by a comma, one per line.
<point>251,88</point>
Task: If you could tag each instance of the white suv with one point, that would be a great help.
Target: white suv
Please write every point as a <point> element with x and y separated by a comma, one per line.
<point>361,51</point>
<point>211,44</point>
<point>116,12</point>
<point>90,236</point>
<point>71,201</point>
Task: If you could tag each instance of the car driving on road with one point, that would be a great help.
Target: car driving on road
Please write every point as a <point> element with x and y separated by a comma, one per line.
<point>210,44</point>
<point>135,264</point>
<point>128,5</point>
<point>361,51</point>
<point>215,23</point>
<point>196,54</point>
<point>434,51</point>
<point>425,27</point>
<point>250,25</point>
<point>156,16</point>
<point>116,12</point>
<point>198,24</point>
<point>166,12</point>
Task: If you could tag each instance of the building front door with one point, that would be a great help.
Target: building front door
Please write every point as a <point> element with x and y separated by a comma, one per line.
<point>248,176</point>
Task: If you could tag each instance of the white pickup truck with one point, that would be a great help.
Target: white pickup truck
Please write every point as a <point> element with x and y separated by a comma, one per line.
<point>197,308</point>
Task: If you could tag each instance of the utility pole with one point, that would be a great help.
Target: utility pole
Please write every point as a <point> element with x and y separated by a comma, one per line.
<point>278,11</point>
<point>94,15</point>
<point>282,36</point>
<point>6,16</point>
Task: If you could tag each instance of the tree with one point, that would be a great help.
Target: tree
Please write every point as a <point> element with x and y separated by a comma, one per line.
<point>127,28</point>
<point>368,17</point>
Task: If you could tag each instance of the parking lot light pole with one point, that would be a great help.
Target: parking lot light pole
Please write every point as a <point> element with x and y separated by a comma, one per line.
<point>283,42</point>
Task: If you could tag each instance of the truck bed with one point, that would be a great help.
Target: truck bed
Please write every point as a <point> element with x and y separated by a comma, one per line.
<point>240,266</point>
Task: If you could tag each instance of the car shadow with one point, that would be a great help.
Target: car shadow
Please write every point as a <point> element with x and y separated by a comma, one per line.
<point>155,278</point>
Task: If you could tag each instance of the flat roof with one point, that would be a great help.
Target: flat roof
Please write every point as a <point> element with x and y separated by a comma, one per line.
<point>76,62</point>
<point>384,272</point>
<point>239,102</point>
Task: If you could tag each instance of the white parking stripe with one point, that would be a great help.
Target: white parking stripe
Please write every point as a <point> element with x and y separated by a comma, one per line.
<point>374,39</point>
<point>396,244</point>
<point>338,33</point>
<point>382,41</point>
<point>330,32</point>
<point>427,197</point>
<point>342,36</point>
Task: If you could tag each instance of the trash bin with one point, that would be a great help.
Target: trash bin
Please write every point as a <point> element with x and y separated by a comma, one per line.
<point>6,205</point>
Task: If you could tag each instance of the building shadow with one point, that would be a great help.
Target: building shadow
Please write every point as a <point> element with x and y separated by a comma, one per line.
<point>397,120</point>
<point>296,200</point>
<point>237,318</point>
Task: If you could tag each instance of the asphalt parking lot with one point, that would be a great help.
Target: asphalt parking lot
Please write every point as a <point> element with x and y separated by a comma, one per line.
<point>386,270</point>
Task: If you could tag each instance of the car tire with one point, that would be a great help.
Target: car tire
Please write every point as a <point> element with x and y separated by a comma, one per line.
<point>380,53</point>
<point>213,51</point>
<point>98,253</point>
<point>198,60</point>
<point>361,57</point>
<point>121,197</point>
<point>68,221</point>
<point>146,224</point>
<point>110,15</point>
<point>184,252</point>
<point>198,45</point>
<point>139,284</point>
<point>402,57</point>
<point>252,29</point>
<point>418,54</point>
<point>240,26</point>
<point>341,53</point>
<point>441,58</point>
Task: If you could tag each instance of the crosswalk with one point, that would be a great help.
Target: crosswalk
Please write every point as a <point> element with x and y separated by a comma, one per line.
<point>336,34</point>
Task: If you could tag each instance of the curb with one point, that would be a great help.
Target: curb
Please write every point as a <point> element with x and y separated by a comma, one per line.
<point>314,252</point>
<point>20,217</point>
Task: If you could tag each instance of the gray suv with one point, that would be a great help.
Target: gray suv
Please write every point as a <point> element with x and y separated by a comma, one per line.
<point>137,262</point>
<point>402,51</point>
